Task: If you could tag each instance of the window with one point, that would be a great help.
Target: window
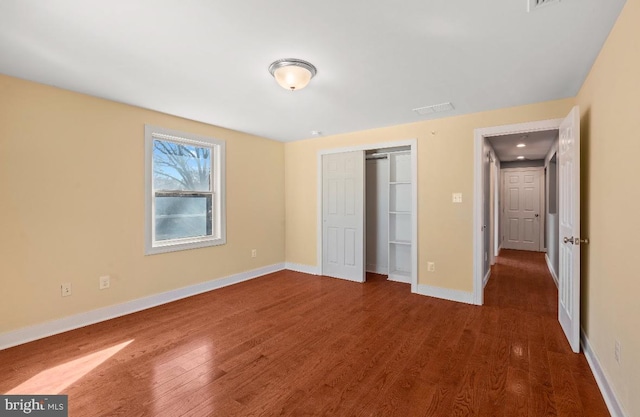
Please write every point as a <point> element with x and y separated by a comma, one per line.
<point>184,191</point>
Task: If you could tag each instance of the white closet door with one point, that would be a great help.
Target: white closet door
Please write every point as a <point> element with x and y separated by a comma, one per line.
<point>343,215</point>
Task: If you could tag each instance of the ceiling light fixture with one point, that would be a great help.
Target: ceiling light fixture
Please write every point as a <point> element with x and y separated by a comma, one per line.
<point>292,74</point>
<point>521,157</point>
<point>520,145</point>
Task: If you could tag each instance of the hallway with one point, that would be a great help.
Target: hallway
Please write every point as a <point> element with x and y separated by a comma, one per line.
<point>521,280</point>
<point>521,292</point>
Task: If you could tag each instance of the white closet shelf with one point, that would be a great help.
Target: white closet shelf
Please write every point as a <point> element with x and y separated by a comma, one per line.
<point>400,212</point>
<point>399,182</point>
<point>401,242</point>
<point>400,276</point>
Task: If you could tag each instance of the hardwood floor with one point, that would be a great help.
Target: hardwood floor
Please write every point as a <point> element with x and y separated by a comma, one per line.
<point>290,344</point>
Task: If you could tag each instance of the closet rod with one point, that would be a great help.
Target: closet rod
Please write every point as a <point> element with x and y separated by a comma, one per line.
<point>374,157</point>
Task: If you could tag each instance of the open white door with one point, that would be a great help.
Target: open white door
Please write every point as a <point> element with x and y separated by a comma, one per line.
<point>343,215</point>
<point>569,215</point>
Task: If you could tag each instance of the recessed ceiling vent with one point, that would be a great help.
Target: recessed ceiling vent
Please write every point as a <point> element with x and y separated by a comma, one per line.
<point>533,5</point>
<point>436,108</point>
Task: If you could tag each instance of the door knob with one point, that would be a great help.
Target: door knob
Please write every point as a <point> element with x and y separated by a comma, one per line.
<point>575,240</point>
<point>537,214</point>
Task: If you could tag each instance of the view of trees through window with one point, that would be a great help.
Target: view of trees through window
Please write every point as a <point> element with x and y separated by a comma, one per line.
<point>183,189</point>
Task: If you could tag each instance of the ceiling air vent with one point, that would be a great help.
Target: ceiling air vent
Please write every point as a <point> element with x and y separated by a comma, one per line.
<point>436,108</point>
<point>533,5</point>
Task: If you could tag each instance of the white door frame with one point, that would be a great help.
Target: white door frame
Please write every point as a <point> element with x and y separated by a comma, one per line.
<point>542,208</point>
<point>494,208</point>
<point>413,144</point>
<point>495,215</point>
<point>478,215</point>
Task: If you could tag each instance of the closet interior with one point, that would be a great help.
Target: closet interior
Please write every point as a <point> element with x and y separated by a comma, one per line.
<point>388,212</point>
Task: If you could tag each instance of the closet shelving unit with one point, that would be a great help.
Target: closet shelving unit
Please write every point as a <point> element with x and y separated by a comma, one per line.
<point>400,216</point>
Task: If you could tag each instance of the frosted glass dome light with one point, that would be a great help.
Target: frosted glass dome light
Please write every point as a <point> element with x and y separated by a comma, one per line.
<point>292,74</point>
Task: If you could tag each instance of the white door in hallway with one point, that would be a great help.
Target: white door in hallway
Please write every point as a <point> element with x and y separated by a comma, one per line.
<point>569,218</point>
<point>521,208</point>
<point>343,215</point>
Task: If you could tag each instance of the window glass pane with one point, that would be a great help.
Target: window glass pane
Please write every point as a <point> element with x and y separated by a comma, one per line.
<point>183,216</point>
<point>178,166</point>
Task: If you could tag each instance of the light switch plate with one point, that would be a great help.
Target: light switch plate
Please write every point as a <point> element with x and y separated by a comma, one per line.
<point>457,197</point>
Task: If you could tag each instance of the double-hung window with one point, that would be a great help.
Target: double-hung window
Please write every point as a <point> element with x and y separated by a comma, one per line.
<point>184,191</point>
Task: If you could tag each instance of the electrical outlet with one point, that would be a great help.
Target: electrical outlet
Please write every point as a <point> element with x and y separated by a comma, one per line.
<point>254,253</point>
<point>65,289</point>
<point>105,282</point>
<point>456,197</point>
<point>617,351</point>
<point>431,266</point>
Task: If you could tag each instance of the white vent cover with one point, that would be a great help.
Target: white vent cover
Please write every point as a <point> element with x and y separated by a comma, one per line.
<point>533,5</point>
<point>436,108</point>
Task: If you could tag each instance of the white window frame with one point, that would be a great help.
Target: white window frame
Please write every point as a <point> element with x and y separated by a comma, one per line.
<point>219,233</point>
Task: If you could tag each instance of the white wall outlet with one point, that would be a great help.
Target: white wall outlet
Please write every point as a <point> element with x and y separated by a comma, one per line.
<point>431,266</point>
<point>105,282</point>
<point>456,197</point>
<point>254,253</point>
<point>617,351</point>
<point>65,289</point>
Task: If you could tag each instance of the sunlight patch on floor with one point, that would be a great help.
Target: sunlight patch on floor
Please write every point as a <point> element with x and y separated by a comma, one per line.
<point>55,380</point>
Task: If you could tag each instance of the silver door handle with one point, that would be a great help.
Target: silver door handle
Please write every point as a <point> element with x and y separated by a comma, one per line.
<point>575,240</point>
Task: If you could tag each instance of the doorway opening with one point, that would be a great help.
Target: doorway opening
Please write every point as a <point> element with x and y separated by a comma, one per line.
<point>511,193</point>
<point>526,195</point>
<point>568,213</point>
<point>388,213</point>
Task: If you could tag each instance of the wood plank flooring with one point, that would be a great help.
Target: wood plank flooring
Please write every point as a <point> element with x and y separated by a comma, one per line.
<point>290,344</point>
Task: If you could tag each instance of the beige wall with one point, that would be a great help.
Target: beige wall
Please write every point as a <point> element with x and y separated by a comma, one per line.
<point>611,202</point>
<point>71,201</point>
<point>445,165</point>
<point>72,205</point>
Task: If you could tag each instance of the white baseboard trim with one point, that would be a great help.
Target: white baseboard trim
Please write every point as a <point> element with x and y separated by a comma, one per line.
<point>614,406</point>
<point>307,269</point>
<point>446,294</point>
<point>39,331</point>
<point>486,278</point>
<point>550,266</point>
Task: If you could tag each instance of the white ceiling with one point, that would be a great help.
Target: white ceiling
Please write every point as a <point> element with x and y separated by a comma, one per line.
<point>537,145</point>
<point>207,60</point>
